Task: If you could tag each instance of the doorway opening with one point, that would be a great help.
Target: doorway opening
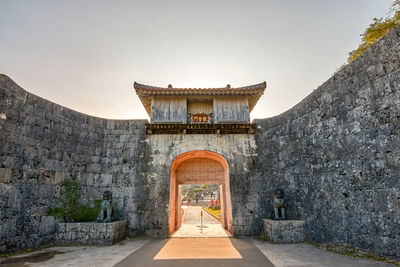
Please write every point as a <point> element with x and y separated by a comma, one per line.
<point>201,211</point>
<point>200,185</point>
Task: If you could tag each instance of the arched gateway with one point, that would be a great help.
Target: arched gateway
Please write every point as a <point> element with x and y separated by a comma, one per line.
<point>189,131</point>
<point>199,167</point>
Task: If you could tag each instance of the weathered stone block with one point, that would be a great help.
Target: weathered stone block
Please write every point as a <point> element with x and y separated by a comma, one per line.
<point>284,231</point>
<point>90,233</point>
<point>5,175</point>
<point>47,225</point>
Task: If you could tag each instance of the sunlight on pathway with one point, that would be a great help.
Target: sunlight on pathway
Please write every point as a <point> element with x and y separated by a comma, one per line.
<point>192,226</point>
<point>198,248</point>
<point>195,230</point>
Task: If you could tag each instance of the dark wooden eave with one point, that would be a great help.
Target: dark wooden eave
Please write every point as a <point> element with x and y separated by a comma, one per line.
<point>169,128</point>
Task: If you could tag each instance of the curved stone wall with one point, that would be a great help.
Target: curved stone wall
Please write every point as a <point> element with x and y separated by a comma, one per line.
<point>337,156</point>
<point>41,145</point>
<point>44,144</point>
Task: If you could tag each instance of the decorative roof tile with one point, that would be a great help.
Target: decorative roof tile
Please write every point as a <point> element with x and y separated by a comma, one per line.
<point>145,92</point>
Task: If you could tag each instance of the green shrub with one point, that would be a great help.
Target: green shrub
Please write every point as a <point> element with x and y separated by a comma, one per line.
<point>85,213</point>
<point>70,209</point>
<point>55,211</point>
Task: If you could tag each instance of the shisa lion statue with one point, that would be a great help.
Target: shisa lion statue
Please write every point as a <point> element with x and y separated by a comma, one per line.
<point>279,205</point>
<point>106,207</point>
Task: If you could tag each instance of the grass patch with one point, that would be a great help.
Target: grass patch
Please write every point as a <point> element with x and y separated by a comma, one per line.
<point>135,237</point>
<point>6,255</point>
<point>353,252</point>
<point>261,238</point>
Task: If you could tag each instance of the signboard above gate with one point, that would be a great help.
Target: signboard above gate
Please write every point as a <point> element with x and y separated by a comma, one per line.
<point>200,117</point>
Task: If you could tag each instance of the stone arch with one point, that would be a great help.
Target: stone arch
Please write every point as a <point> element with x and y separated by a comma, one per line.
<point>199,167</point>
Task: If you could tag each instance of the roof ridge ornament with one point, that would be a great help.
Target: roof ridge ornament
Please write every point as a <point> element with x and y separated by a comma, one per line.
<point>262,85</point>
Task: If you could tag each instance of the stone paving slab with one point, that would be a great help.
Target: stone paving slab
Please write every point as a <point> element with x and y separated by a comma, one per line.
<point>294,255</point>
<point>99,256</point>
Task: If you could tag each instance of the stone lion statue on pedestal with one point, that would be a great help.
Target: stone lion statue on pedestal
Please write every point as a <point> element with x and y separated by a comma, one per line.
<point>106,207</point>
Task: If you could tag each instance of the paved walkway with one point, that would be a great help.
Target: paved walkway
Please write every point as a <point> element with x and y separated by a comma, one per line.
<point>191,215</point>
<point>99,256</point>
<point>208,230</point>
<point>192,227</point>
<point>188,252</point>
<point>295,255</point>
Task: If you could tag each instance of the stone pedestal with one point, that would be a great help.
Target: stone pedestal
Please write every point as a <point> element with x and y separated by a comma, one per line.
<point>90,233</point>
<point>285,231</point>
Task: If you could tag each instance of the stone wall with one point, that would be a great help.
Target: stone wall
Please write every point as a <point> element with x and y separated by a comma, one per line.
<point>41,145</point>
<point>337,157</point>
<point>87,233</point>
<point>240,152</point>
<point>44,144</point>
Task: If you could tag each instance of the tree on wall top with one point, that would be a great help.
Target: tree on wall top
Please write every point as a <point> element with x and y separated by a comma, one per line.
<point>376,31</point>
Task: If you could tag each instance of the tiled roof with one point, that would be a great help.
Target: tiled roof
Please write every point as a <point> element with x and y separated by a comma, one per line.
<point>145,92</point>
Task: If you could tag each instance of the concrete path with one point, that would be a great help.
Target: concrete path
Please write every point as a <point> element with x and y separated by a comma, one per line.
<point>188,252</point>
<point>195,230</point>
<point>191,215</point>
<point>192,227</point>
<point>294,255</point>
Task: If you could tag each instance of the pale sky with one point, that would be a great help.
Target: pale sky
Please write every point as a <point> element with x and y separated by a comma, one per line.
<point>85,55</point>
